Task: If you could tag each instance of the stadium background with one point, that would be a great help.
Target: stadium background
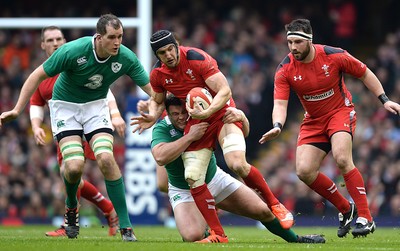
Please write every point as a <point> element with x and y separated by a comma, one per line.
<point>248,41</point>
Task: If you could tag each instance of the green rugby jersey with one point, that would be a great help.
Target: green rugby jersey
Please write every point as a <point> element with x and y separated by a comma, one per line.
<point>83,77</point>
<point>164,131</point>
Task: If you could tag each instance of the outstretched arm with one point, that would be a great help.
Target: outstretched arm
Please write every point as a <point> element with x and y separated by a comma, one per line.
<point>29,87</point>
<point>374,85</point>
<point>279,114</point>
<point>146,120</point>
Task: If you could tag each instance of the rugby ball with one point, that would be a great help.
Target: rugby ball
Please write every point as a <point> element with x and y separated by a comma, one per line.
<point>200,96</point>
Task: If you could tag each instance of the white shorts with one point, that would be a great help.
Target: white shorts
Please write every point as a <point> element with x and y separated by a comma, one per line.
<point>221,186</point>
<point>66,116</point>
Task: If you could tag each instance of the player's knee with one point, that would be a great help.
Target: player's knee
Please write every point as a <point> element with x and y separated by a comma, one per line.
<point>192,235</point>
<point>306,175</point>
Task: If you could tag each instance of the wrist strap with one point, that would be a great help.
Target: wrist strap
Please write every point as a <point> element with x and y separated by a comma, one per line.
<point>383,98</point>
<point>278,124</point>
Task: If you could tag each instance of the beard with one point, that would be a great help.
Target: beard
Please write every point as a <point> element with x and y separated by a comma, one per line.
<point>300,56</point>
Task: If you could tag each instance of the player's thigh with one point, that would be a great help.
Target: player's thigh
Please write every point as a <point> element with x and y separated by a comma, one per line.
<point>342,149</point>
<point>308,159</point>
<point>238,203</point>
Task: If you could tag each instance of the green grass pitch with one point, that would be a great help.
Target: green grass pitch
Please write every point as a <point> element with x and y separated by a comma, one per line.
<point>154,238</point>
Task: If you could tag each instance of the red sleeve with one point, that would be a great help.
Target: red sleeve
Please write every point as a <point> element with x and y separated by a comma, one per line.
<point>37,99</point>
<point>281,85</point>
<point>350,64</point>
<point>155,82</point>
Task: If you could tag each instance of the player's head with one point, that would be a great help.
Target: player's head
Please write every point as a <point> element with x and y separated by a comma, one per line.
<point>51,39</point>
<point>176,110</point>
<point>109,32</point>
<point>165,47</point>
<point>299,36</point>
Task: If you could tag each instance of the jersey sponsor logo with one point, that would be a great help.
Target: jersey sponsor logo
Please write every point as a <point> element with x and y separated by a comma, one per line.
<point>81,60</point>
<point>115,67</point>
<point>319,96</point>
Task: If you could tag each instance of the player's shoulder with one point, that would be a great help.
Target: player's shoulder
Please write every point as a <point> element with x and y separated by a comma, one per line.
<point>284,63</point>
<point>329,50</point>
<point>193,53</point>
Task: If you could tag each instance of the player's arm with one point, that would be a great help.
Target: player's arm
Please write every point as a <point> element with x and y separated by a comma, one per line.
<point>167,152</point>
<point>36,114</point>
<point>220,86</point>
<point>279,114</point>
<point>30,85</point>
<point>374,85</point>
<point>156,108</point>
<point>116,119</point>
<point>233,114</point>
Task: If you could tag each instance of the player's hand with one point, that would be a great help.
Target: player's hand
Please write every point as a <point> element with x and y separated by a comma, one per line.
<point>39,135</point>
<point>119,125</point>
<point>197,112</point>
<point>198,130</point>
<point>392,107</point>
<point>8,116</point>
<point>143,106</point>
<point>142,122</point>
<point>232,115</point>
<point>270,135</point>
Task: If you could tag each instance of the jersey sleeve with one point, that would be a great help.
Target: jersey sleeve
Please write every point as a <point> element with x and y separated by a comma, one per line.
<point>160,134</point>
<point>155,82</point>
<point>137,72</point>
<point>58,61</point>
<point>350,64</point>
<point>281,85</point>
<point>37,99</point>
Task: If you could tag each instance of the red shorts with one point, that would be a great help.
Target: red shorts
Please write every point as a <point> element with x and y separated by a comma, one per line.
<point>211,136</point>
<point>89,154</point>
<point>320,130</point>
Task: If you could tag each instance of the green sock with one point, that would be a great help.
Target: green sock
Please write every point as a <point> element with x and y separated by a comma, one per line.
<point>71,188</point>
<point>116,192</point>
<point>275,227</point>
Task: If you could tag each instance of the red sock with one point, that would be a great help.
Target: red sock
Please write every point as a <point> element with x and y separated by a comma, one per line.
<point>256,181</point>
<point>355,186</point>
<point>90,192</point>
<point>325,187</point>
<point>206,204</point>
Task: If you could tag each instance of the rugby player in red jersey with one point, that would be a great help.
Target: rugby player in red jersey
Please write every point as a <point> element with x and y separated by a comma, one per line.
<point>178,70</point>
<point>316,74</point>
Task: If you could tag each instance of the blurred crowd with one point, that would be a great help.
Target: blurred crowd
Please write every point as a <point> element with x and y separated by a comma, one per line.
<point>248,43</point>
